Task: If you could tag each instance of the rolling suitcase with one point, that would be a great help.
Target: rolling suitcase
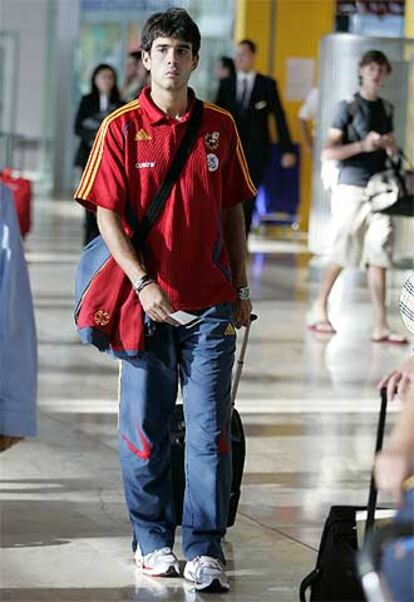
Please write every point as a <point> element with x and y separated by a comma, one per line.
<point>238,446</point>
<point>22,194</point>
<point>335,577</point>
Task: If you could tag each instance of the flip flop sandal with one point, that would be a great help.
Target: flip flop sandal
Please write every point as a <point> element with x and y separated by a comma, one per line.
<point>322,327</point>
<point>392,337</point>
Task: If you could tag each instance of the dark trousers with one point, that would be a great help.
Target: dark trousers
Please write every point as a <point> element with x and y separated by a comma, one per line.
<point>249,207</point>
<point>91,227</point>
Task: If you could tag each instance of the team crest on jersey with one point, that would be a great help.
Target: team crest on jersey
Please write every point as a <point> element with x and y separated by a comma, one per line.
<point>102,317</point>
<point>212,140</point>
<point>230,330</point>
<point>142,135</point>
<point>212,162</point>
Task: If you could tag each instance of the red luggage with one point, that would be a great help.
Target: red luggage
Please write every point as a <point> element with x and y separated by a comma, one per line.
<point>22,194</point>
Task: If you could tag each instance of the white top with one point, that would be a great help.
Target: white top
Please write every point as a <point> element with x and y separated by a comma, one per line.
<point>309,109</point>
<point>103,102</point>
<point>249,78</point>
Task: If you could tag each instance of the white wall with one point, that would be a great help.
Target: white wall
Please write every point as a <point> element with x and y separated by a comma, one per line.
<point>28,18</point>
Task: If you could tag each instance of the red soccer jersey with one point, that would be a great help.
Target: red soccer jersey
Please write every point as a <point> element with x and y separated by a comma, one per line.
<point>133,150</point>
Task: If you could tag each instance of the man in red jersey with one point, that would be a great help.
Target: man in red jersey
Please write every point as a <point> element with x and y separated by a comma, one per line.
<point>193,261</point>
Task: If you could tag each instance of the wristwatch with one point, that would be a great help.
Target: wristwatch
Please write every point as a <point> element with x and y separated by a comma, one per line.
<point>243,293</point>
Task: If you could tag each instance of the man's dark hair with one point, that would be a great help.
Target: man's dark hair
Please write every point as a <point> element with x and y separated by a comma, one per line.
<point>375,56</point>
<point>250,44</point>
<point>136,55</point>
<point>174,23</point>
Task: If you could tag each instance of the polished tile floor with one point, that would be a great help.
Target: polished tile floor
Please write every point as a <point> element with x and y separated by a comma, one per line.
<point>309,408</point>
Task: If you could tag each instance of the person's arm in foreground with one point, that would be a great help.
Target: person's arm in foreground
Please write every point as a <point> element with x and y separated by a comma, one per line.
<point>235,240</point>
<point>399,380</point>
<point>396,462</point>
<point>153,300</point>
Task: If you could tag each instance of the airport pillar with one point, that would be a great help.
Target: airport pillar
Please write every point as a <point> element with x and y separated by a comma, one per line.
<point>409,18</point>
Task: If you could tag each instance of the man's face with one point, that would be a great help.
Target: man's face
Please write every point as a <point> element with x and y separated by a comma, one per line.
<point>171,63</point>
<point>244,58</point>
<point>373,75</point>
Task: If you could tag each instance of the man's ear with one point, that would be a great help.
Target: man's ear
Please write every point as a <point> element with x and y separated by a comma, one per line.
<point>196,59</point>
<point>146,60</point>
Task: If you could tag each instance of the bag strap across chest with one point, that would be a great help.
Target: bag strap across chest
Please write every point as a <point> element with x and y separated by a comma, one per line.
<point>356,112</point>
<point>157,204</point>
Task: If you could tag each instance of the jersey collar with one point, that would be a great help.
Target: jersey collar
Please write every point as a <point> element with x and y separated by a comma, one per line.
<point>155,115</point>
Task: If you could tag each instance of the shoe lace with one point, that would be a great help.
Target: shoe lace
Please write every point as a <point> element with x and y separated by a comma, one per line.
<point>207,562</point>
<point>163,552</point>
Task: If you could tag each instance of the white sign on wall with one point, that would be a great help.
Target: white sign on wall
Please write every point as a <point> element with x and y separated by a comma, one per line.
<point>300,77</point>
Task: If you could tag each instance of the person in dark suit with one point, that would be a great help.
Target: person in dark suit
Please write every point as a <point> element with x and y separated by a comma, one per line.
<point>251,98</point>
<point>93,108</point>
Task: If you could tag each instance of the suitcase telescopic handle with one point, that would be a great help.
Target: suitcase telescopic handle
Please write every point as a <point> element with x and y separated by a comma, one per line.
<point>240,360</point>
<point>373,491</point>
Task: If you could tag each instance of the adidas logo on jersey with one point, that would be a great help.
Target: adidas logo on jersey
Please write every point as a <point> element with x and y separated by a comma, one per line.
<point>142,135</point>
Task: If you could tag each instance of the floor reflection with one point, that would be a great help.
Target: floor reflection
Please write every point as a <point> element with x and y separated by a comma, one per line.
<point>309,408</point>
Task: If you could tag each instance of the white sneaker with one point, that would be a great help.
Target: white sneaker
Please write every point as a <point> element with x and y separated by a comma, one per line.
<point>207,574</point>
<point>160,563</point>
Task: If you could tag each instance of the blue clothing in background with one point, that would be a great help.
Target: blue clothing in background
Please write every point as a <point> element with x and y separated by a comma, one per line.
<point>18,351</point>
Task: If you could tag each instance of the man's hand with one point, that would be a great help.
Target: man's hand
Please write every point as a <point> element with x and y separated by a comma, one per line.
<point>288,160</point>
<point>392,467</point>
<point>372,142</point>
<point>155,304</point>
<point>242,311</point>
<point>399,380</point>
<point>390,144</point>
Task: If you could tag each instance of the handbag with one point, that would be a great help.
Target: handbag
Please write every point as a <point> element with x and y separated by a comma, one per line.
<point>108,314</point>
<point>392,191</point>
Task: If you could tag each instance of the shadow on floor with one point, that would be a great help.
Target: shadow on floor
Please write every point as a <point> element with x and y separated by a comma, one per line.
<point>57,521</point>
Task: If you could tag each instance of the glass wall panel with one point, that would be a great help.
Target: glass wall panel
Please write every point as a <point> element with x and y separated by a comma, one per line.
<point>109,29</point>
<point>8,82</point>
<point>339,55</point>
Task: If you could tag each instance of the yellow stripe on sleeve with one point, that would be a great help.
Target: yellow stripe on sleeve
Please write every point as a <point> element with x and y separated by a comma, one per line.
<point>92,156</point>
<point>95,157</point>
<point>91,160</point>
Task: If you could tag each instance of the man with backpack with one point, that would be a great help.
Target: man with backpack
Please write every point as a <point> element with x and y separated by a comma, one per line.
<point>360,139</point>
<point>193,260</point>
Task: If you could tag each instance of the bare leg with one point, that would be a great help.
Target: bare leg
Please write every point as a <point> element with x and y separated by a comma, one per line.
<point>320,306</point>
<point>377,282</point>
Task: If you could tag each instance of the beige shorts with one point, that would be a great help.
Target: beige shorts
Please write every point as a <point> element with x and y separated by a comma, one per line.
<point>359,236</point>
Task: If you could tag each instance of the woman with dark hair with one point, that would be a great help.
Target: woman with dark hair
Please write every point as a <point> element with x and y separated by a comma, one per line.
<point>103,98</point>
<point>224,68</point>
